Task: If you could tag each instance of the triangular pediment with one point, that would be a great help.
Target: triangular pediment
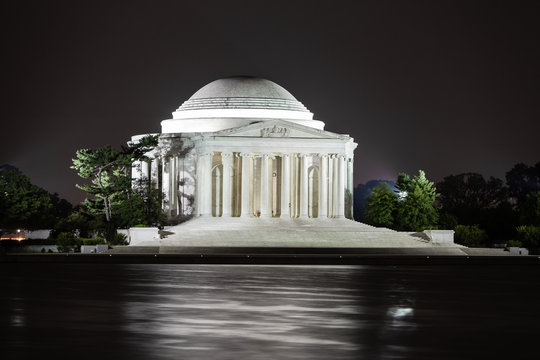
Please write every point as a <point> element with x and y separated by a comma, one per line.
<point>277,129</point>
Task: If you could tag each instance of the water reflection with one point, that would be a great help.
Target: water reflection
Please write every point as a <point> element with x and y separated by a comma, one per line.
<point>266,312</point>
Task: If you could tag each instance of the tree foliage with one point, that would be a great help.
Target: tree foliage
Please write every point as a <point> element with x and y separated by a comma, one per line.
<point>522,180</point>
<point>529,235</point>
<point>530,209</point>
<point>409,208</point>
<point>24,205</point>
<point>109,171</point>
<point>112,200</point>
<point>143,207</point>
<point>361,193</point>
<point>465,194</point>
<point>470,235</point>
<point>474,200</point>
<point>416,211</point>
<point>382,203</point>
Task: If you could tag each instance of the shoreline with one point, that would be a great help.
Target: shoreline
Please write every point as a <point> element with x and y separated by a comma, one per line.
<point>251,258</point>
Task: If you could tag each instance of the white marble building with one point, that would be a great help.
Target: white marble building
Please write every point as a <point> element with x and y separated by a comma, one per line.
<point>245,147</point>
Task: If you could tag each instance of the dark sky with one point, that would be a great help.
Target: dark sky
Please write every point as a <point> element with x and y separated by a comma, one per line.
<point>443,86</point>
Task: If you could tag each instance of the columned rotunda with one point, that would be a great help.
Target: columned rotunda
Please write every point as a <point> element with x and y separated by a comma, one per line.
<point>245,147</point>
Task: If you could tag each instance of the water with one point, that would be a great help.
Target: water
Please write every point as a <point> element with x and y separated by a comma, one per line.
<point>268,312</point>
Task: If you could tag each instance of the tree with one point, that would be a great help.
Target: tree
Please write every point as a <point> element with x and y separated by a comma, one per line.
<point>381,205</point>
<point>530,209</point>
<point>468,195</point>
<point>110,174</point>
<point>470,235</point>
<point>361,192</point>
<point>24,205</point>
<point>474,200</point>
<point>142,208</point>
<point>415,210</point>
<point>529,236</point>
<point>100,166</point>
<point>523,179</point>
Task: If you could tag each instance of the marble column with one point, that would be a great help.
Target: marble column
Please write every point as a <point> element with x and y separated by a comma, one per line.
<point>165,185</point>
<point>172,185</point>
<point>206,180</point>
<point>350,188</point>
<point>341,187</point>
<point>227,161</point>
<point>154,173</point>
<point>144,170</point>
<point>135,174</point>
<point>198,185</point>
<point>245,186</point>
<point>304,186</point>
<point>265,195</point>
<point>285,185</point>
<point>323,186</point>
<point>329,187</point>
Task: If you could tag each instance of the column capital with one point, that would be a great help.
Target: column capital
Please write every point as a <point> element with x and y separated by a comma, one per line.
<point>285,155</point>
<point>226,154</point>
<point>244,154</point>
<point>304,155</point>
<point>206,153</point>
<point>341,156</point>
<point>265,155</point>
<point>323,155</point>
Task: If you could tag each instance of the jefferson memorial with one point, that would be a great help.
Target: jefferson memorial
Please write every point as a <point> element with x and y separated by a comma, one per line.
<point>245,147</point>
<point>243,162</point>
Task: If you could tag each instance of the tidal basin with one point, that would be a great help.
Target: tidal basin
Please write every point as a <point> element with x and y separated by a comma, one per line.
<point>268,312</point>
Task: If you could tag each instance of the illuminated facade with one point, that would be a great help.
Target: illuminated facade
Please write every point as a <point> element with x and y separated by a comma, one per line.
<point>245,147</point>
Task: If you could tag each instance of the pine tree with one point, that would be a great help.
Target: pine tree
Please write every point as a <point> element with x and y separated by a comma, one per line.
<point>416,211</point>
<point>110,173</point>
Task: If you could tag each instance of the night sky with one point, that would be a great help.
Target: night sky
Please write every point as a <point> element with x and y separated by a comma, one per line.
<point>443,86</point>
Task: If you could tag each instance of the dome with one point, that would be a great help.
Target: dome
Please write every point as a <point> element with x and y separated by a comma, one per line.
<point>243,87</point>
<point>242,92</point>
<point>236,101</point>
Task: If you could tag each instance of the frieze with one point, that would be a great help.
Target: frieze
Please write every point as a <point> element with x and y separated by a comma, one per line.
<point>275,131</point>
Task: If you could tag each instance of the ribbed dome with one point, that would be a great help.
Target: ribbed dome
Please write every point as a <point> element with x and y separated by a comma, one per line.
<point>242,92</point>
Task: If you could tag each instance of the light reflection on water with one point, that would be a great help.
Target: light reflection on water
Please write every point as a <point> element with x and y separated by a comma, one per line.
<point>296,310</point>
<point>265,312</point>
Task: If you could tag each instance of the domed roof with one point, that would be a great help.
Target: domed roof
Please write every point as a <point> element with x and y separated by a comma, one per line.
<point>242,92</point>
<point>237,101</point>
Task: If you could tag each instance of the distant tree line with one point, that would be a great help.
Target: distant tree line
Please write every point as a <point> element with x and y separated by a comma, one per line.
<point>24,205</point>
<point>482,212</point>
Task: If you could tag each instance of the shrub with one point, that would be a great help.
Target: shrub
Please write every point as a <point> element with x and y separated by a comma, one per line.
<point>448,221</point>
<point>529,235</point>
<point>470,235</point>
<point>67,242</point>
<point>514,243</point>
<point>118,239</point>
<point>96,241</point>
